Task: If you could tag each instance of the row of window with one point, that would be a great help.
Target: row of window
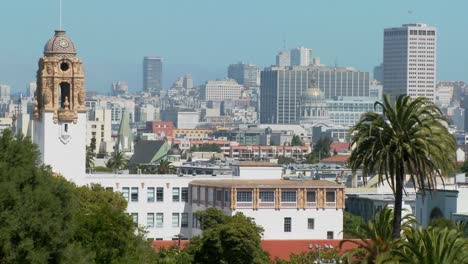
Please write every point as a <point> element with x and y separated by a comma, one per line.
<point>155,194</point>
<point>178,219</point>
<point>286,196</point>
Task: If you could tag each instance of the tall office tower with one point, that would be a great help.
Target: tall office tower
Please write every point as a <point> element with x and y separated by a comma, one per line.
<point>378,73</point>
<point>245,74</point>
<point>409,60</point>
<point>31,89</point>
<point>4,93</point>
<point>301,56</point>
<point>283,59</point>
<point>282,89</point>
<point>152,74</point>
<point>187,81</point>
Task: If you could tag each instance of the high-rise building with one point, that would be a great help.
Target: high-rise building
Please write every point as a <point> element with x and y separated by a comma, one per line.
<point>4,93</point>
<point>283,59</point>
<point>245,74</point>
<point>378,73</point>
<point>281,89</point>
<point>152,74</point>
<point>301,56</point>
<point>220,90</point>
<point>187,81</point>
<point>119,88</point>
<point>409,60</point>
<point>31,89</point>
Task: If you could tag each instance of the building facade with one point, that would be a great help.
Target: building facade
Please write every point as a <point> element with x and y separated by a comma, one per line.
<point>300,56</point>
<point>220,90</point>
<point>283,59</point>
<point>152,74</point>
<point>410,60</point>
<point>346,111</point>
<point>247,75</point>
<point>282,89</point>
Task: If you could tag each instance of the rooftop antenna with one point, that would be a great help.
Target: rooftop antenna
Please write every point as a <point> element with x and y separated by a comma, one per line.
<point>284,41</point>
<point>60,14</point>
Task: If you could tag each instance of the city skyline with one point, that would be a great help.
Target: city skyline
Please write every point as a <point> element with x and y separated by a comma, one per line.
<point>183,34</point>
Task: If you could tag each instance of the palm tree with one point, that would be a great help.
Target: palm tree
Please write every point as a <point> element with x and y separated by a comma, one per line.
<point>90,155</point>
<point>408,138</point>
<point>166,167</point>
<point>375,238</point>
<point>118,161</point>
<point>433,245</point>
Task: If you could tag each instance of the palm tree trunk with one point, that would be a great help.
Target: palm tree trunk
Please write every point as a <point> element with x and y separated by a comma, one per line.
<point>398,204</point>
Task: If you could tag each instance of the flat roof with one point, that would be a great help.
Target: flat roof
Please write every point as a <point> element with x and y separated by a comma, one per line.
<point>267,183</point>
<point>258,164</point>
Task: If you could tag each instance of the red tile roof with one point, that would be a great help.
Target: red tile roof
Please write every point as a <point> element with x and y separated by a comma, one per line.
<point>336,159</point>
<point>339,147</point>
<point>276,248</point>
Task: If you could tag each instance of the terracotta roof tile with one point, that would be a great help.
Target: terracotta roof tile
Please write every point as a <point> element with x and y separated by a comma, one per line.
<point>336,159</point>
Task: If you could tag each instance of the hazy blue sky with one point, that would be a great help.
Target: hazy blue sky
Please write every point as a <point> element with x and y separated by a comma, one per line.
<point>204,36</point>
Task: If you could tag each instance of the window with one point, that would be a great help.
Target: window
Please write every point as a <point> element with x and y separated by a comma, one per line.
<point>175,194</point>
<point>330,235</point>
<point>150,194</point>
<point>134,195</point>
<point>184,194</point>
<point>160,194</point>
<point>175,219</point>
<point>311,223</point>
<point>135,218</point>
<point>126,193</point>
<point>184,222</point>
<point>311,196</point>
<point>244,196</point>
<point>288,196</point>
<point>330,197</point>
<point>267,196</point>
<point>159,219</point>
<point>150,220</point>
<point>219,195</point>
<point>287,224</point>
<point>227,200</point>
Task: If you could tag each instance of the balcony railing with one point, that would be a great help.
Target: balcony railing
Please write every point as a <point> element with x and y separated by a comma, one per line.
<point>266,205</point>
<point>330,205</point>
<point>288,204</point>
<point>311,204</point>
<point>244,204</point>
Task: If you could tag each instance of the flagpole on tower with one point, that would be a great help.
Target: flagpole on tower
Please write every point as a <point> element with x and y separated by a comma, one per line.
<point>60,14</point>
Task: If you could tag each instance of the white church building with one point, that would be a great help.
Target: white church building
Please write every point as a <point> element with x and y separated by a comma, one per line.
<point>164,204</point>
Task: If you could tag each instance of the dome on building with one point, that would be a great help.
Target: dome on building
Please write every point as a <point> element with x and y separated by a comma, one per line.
<point>60,45</point>
<point>314,95</point>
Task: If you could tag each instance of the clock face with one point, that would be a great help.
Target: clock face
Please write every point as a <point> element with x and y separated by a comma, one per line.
<point>63,43</point>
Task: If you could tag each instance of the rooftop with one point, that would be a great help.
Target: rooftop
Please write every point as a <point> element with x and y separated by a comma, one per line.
<point>336,159</point>
<point>257,164</point>
<point>267,183</point>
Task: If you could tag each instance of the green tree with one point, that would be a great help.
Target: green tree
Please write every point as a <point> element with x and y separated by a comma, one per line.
<point>117,162</point>
<point>90,155</point>
<point>36,208</point>
<point>312,256</point>
<point>173,255</point>
<point>296,141</point>
<point>285,160</point>
<point>165,167</point>
<point>375,238</point>
<point>408,138</point>
<point>104,228</point>
<point>464,167</point>
<point>320,150</point>
<point>433,245</point>
<point>350,224</point>
<point>227,239</point>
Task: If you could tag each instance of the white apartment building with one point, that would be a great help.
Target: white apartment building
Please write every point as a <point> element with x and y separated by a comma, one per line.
<point>301,56</point>
<point>444,95</point>
<point>99,126</point>
<point>286,209</point>
<point>410,60</point>
<point>220,90</point>
<point>283,59</point>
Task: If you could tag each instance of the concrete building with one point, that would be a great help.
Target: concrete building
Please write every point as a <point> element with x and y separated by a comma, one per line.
<point>152,74</point>
<point>458,118</point>
<point>282,89</point>
<point>286,209</point>
<point>31,89</point>
<point>119,88</point>
<point>220,90</point>
<point>5,93</point>
<point>378,73</point>
<point>247,75</point>
<point>99,126</point>
<point>410,60</point>
<point>301,56</point>
<point>346,110</point>
<point>181,118</point>
<point>187,81</point>
<point>146,113</point>
<point>444,95</point>
<point>283,59</point>
<point>161,128</point>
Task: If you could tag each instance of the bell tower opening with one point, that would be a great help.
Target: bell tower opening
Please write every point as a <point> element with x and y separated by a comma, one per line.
<point>64,95</point>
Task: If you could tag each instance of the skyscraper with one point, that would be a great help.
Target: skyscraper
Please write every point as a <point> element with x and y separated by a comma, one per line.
<point>409,60</point>
<point>378,73</point>
<point>245,74</point>
<point>282,89</point>
<point>300,56</point>
<point>152,74</point>
<point>283,59</point>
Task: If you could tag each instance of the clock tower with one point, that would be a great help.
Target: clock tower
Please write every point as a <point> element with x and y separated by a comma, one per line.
<point>59,108</point>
